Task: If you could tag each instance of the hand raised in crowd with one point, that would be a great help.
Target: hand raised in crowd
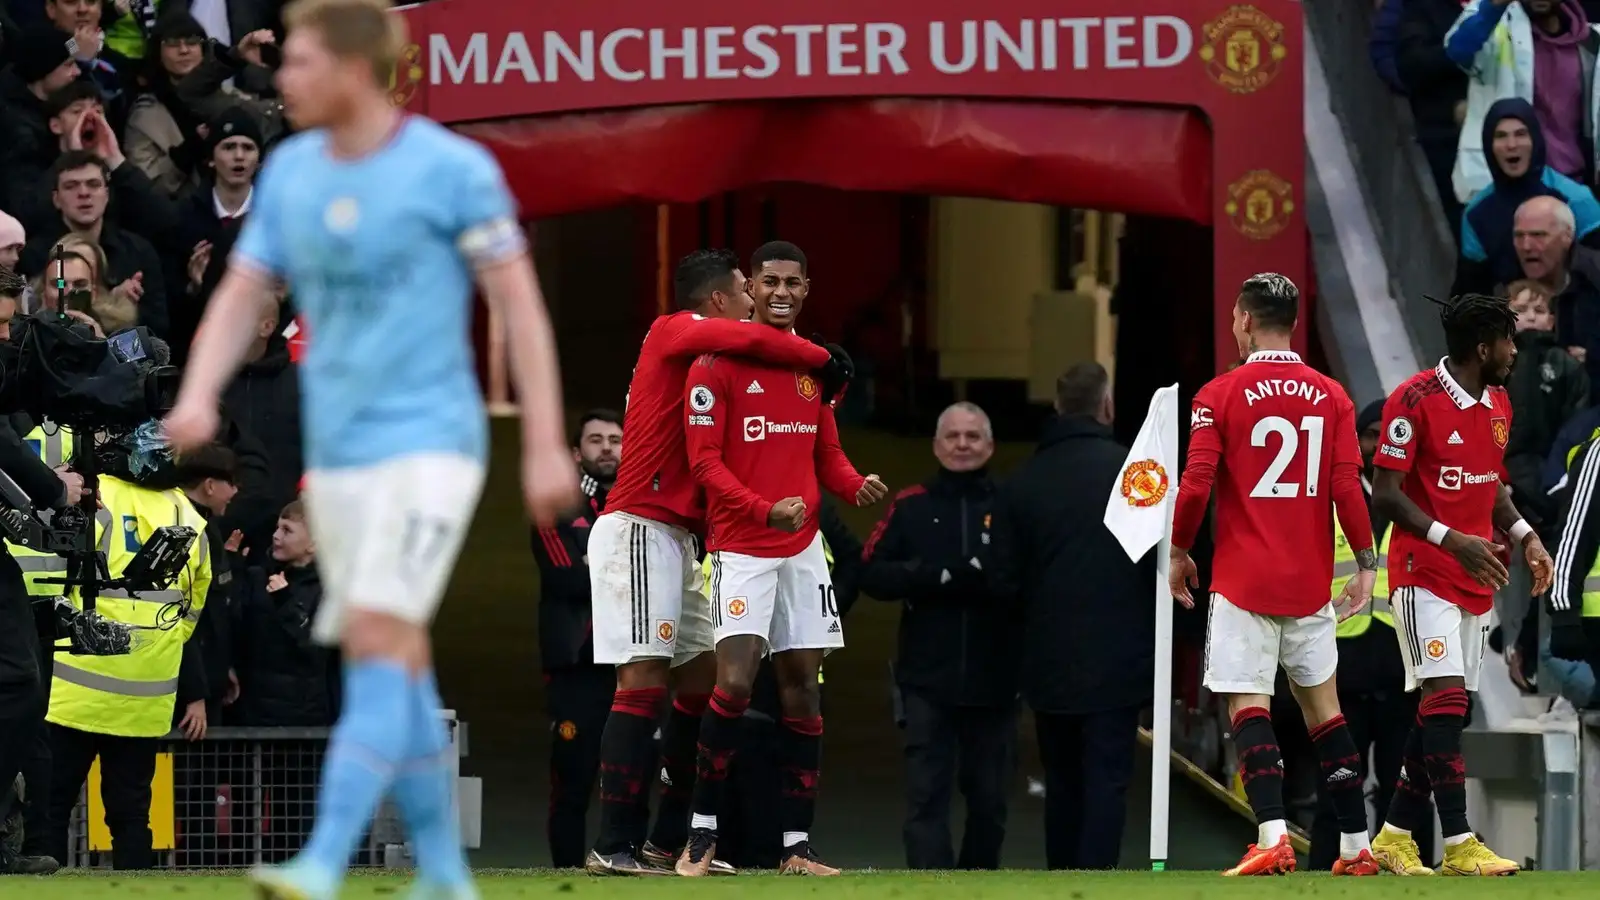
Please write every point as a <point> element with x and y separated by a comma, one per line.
<point>198,261</point>
<point>131,290</point>
<point>872,490</point>
<point>787,514</point>
<point>92,132</point>
<point>193,725</point>
<point>1181,576</point>
<point>276,583</point>
<point>192,423</point>
<point>234,541</point>
<point>549,485</point>
<point>123,6</point>
<point>88,320</point>
<point>73,482</point>
<point>250,45</point>
<point>89,40</point>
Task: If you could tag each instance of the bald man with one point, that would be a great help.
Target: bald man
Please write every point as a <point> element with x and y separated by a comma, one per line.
<point>1544,235</point>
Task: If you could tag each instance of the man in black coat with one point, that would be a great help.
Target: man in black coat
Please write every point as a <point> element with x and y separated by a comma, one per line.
<point>1087,622</point>
<point>956,669</point>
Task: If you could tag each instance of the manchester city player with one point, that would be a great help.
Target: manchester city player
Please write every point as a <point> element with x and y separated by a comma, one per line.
<point>379,223</point>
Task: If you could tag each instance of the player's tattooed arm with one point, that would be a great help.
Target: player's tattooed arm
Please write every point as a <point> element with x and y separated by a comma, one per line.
<point>1367,560</point>
<point>1392,503</point>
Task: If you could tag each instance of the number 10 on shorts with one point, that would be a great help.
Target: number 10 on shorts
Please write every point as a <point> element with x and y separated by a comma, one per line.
<point>830,605</point>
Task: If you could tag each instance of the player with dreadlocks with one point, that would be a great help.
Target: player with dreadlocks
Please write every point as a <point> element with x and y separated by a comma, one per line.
<point>1441,480</point>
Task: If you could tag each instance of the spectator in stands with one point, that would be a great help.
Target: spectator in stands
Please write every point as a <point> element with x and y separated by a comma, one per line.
<point>82,183</point>
<point>264,399</point>
<point>1548,387</point>
<point>1514,147</point>
<point>81,19</point>
<point>233,148</point>
<point>1530,50</point>
<point>87,298</point>
<point>167,131</point>
<point>577,692</point>
<point>42,65</point>
<point>1544,240</point>
<point>285,679</point>
<point>956,666</point>
<point>1087,631</point>
<point>1437,90</point>
<point>12,237</point>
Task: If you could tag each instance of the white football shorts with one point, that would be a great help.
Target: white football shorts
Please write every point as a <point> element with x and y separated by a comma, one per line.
<point>645,589</point>
<point>786,601</point>
<point>1438,639</point>
<point>388,534</point>
<point>1244,649</point>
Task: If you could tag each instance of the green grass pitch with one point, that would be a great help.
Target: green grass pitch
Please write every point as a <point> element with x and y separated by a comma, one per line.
<point>885,885</point>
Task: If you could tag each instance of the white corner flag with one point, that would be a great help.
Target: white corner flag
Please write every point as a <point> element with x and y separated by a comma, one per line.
<point>1139,513</point>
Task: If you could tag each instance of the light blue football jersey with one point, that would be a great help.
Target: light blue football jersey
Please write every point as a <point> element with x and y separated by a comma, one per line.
<point>379,254</point>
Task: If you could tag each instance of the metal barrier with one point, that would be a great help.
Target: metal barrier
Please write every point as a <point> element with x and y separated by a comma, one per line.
<point>242,797</point>
<point>1395,182</point>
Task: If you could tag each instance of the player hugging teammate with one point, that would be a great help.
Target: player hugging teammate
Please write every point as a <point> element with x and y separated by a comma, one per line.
<point>1278,441</point>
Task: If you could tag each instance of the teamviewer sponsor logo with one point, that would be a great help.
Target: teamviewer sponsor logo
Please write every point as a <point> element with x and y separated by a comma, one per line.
<point>755,428</point>
<point>1451,478</point>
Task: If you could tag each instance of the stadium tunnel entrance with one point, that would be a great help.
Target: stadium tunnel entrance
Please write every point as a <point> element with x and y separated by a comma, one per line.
<point>640,131</point>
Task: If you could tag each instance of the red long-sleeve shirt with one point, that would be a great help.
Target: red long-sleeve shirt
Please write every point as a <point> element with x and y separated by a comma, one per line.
<point>1278,439</point>
<point>758,434</point>
<point>653,480</point>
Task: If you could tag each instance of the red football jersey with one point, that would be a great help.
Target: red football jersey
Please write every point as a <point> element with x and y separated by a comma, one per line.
<point>756,435</point>
<point>653,479</point>
<point>1279,440</point>
<point>1452,447</point>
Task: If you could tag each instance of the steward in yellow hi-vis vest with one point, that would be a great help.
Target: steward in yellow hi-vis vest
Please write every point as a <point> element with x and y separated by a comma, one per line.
<point>1574,598</point>
<point>54,446</point>
<point>116,707</point>
<point>1371,674</point>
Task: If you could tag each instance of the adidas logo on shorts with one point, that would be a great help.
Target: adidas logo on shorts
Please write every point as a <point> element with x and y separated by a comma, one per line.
<point>833,628</point>
<point>754,388</point>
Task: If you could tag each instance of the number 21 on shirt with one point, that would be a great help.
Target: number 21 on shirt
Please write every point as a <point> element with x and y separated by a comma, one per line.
<point>1273,483</point>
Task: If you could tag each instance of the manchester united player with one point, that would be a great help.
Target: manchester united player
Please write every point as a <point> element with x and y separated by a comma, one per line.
<point>1279,441</point>
<point>760,438</point>
<point>644,577</point>
<point>1440,479</point>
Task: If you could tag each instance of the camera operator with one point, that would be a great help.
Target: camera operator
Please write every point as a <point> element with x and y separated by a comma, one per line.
<point>21,687</point>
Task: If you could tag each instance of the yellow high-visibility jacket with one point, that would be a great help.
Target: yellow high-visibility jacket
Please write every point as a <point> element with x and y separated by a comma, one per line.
<point>54,446</point>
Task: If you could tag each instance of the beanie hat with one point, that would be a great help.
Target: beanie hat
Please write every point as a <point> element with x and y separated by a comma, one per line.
<point>177,24</point>
<point>41,50</point>
<point>235,121</point>
<point>11,232</point>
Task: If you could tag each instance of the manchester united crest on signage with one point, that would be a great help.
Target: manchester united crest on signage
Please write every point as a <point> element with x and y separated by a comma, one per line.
<point>1259,204</point>
<point>1144,483</point>
<point>1243,49</point>
<point>408,73</point>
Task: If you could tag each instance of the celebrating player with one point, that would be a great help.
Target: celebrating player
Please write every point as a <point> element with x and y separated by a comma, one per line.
<point>1440,479</point>
<point>378,222</point>
<point>759,438</point>
<point>649,614</point>
<point>1279,440</point>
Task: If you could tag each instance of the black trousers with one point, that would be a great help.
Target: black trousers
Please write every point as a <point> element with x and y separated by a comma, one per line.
<point>1088,763</point>
<point>751,836</point>
<point>21,718</point>
<point>578,700</point>
<point>947,745</point>
<point>1379,722</point>
<point>36,769</point>
<point>127,766</point>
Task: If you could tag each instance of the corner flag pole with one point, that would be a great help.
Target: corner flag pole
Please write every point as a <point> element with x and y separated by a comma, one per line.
<point>1139,515</point>
<point>1162,687</point>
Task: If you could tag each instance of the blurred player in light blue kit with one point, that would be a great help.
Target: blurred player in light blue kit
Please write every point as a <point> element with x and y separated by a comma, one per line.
<point>379,223</point>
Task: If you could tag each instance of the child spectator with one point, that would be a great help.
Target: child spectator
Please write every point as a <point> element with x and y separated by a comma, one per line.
<point>284,678</point>
<point>1547,387</point>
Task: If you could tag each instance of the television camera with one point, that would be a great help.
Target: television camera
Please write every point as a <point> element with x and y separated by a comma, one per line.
<point>105,392</point>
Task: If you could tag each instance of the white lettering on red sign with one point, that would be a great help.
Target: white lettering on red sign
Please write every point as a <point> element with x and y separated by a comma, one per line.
<point>831,50</point>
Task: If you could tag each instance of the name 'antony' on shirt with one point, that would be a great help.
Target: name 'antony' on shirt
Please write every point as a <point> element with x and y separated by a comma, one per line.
<point>1283,387</point>
<point>834,50</point>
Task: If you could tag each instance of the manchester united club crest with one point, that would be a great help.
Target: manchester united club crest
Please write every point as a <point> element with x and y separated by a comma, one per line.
<point>1243,49</point>
<point>664,631</point>
<point>737,608</point>
<point>407,75</point>
<point>567,730</point>
<point>1435,648</point>
<point>1259,204</point>
<point>1144,483</point>
<point>807,386</point>
<point>1500,430</point>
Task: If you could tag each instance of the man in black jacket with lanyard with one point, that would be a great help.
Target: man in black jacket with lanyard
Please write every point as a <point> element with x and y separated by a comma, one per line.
<point>1574,598</point>
<point>956,670</point>
<point>577,692</point>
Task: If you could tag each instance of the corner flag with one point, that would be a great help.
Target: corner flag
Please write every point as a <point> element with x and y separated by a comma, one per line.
<point>1139,512</point>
